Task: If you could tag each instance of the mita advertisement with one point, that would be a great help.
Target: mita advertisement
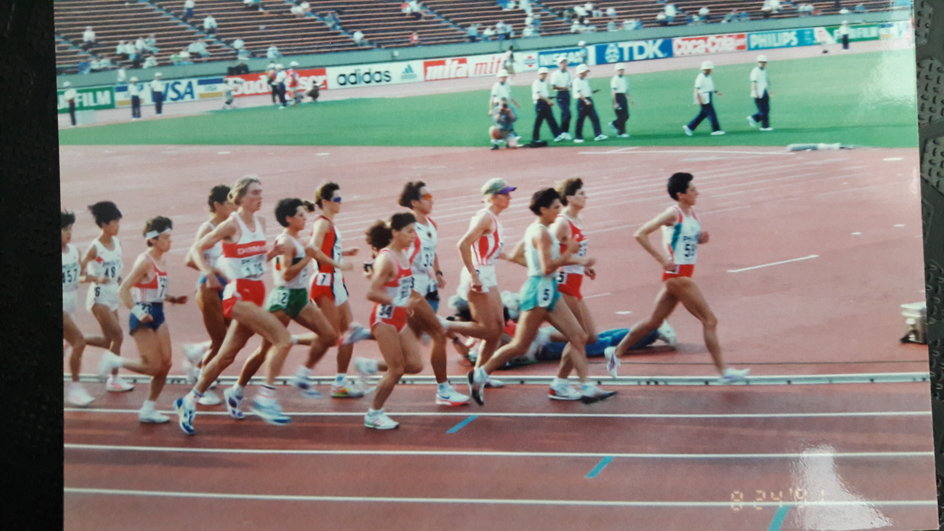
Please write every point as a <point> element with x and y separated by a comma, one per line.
<point>621,52</point>
<point>258,83</point>
<point>709,44</point>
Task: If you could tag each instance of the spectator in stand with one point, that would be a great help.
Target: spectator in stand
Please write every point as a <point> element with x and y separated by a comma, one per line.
<point>744,16</point>
<point>88,38</point>
<point>238,44</point>
<point>632,24</point>
<point>473,33</point>
<point>414,39</point>
<point>150,61</point>
<point>251,4</point>
<point>525,6</point>
<point>670,13</point>
<point>416,9</point>
<point>188,10</point>
<point>661,19</point>
<point>184,58</point>
<point>705,14</point>
<point>358,37</point>
<point>580,11</point>
<point>488,33</point>
<point>199,47</point>
<point>150,44</point>
<point>537,22</point>
<point>528,31</point>
<point>140,46</point>
<point>577,26</point>
<point>332,20</point>
<point>860,8</point>
<point>730,17</point>
<point>209,25</point>
<point>297,11</point>
<point>503,30</point>
<point>273,53</point>
<point>120,48</point>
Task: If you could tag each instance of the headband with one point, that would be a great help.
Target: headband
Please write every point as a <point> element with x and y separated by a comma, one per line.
<point>154,234</point>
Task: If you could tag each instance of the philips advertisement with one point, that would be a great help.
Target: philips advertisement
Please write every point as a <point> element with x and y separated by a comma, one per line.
<point>765,40</point>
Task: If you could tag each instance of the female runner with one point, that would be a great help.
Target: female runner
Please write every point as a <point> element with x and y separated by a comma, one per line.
<point>102,266</point>
<point>538,299</point>
<point>244,258</point>
<point>71,276</point>
<point>143,292</point>
<point>681,234</point>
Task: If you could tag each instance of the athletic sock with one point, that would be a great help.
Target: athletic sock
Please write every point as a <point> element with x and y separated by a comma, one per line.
<point>558,382</point>
<point>443,387</point>
<point>339,378</point>
<point>237,389</point>
<point>194,395</point>
<point>303,372</point>
<point>148,405</point>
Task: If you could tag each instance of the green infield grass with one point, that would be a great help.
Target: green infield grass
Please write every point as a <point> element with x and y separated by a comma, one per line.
<point>861,99</point>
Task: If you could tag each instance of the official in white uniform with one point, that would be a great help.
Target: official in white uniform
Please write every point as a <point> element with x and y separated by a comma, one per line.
<point>561,81</point>
<point>540,94</point>
<point>760,91</point>
<point>157,93</point>
<point>704,97</point>
<point>619,89</point>
<point>584,94</point>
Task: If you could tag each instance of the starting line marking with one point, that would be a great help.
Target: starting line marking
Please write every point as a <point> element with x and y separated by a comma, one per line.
<point>468,453</point>
<point>495,501</point>
<point>810,257</point>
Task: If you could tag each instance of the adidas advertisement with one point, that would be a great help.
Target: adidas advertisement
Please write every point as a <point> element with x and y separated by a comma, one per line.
<point>374,74</point>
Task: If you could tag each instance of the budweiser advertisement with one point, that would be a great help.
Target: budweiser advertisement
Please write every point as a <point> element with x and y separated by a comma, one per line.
<point>257,84</point>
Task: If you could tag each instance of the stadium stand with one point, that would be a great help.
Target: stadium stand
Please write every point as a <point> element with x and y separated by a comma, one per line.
<point>383,23</point>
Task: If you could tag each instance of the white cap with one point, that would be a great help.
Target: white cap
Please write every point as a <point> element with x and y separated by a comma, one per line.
<point>67,84</point>
<point>158,74</point>
<point>619,66</point>
<point>761,58</point>
<point>582,43</point>
<point>561,59</point>
<point>134,79</point>
<point>707,65</point>
<point>582,68</point>
<point>542,70</point>
<point>502,73</point>
<point>293,63</point>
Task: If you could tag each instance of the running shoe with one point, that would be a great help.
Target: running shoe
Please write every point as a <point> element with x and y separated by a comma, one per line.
<point>592,393</point>
<point>306,386</point>
<point>494,383</point>
<point>562,136</point>
<point>578,141</point>
<point>346,389</point>
<point>234,403</point>
<point>667,333</point>
<point>186,411</point>
<point>209,398</point>
<point>366,367</point>
<point>152,416</point>
<point>269,411</point>
<point>356,333</point>
<point>563,392</point>
<point>194,352</point>
<point>451,397</point>
<point>687,130</point>
<point>477,384</point>
<point>380,421</point>
<point>78,396</point>
<point>751,121</point>
<point>116,384</point>
<point>612,362</point>
<point>719,132</point>
<point>732,375</point>
<point>108,363</point>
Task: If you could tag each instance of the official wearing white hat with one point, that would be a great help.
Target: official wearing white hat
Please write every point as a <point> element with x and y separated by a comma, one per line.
<point>561,81</point>
<point>157,93</point>
<point>70,96</point>
<point>585,108</point>
<point>540,95</point>
<point>704,97</point>
<point>500,90</point>
<point>760,92</point>
<point>134,92</point>
<point>619,88</point>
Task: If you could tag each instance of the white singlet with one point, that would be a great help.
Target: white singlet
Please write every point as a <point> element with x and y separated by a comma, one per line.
<point>681,239</point>
<point>107,263</point>
<point>70,278</point>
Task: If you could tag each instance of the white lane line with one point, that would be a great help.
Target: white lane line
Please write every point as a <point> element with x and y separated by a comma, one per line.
<point>469,453</point>
<point>837,414</point>
<point>595,295</point>
<point>489,501</point>
<point>697,151</point>
<point>810,257</point>
<point>891,159</point>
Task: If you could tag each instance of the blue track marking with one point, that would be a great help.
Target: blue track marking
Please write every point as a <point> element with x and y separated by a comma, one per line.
<point>779,517</point>
<point>462,424</point>
<point>599,468</point>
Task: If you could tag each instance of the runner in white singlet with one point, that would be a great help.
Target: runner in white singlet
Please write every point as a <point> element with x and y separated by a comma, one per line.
<point>71,276</point>
<point>102,266</point>
<point>683,234</point>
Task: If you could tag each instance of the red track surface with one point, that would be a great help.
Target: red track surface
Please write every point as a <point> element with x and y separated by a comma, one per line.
<point>858,212</point>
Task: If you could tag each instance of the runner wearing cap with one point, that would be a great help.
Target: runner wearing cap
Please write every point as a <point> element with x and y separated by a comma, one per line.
<point>561,81</point>
<point>704,97</point>
<point>540,94</point>
<point>759,91</point>
<point>585,108</point>
<point>480,248</point>
<point>618,90</point>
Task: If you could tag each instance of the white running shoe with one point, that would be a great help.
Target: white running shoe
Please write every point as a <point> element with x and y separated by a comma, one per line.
<point>209,398</point>
<point>268,409</point>
<point>306,386</point>
<point>578,141</point>
<point>356,333</point>
<point>451,398</point>
<point>562,136</point>
<point>494,383</point>
<point>477,383</point>
<point>234,404</point>
<point>612,362</point>
<point>719,132</point>
<point>78,396</point>
<point>667,333</point>
<point>108,363</point>
<point>751,121</point>
<point>766,128</point>
<point>346,389</point>
<point>687,130</point>
<point>732,375</point>
<point>366,367</point>
<point>117,384</point>
<point>152,416</point>
<point>591,393</point>
<point>600,137</point>
<point>563,392</point>
<point>379,421</point>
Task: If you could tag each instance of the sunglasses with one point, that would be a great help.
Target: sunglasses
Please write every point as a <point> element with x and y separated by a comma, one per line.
<point>428,197</point>
<point>336,199</point>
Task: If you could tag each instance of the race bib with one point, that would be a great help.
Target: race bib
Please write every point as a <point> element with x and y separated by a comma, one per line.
<point>162,282</point>
<point>252,267</point>
<point>70,275</point>
<point>403,291</point>
<point>385,311</point>
<point>323,279</point>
